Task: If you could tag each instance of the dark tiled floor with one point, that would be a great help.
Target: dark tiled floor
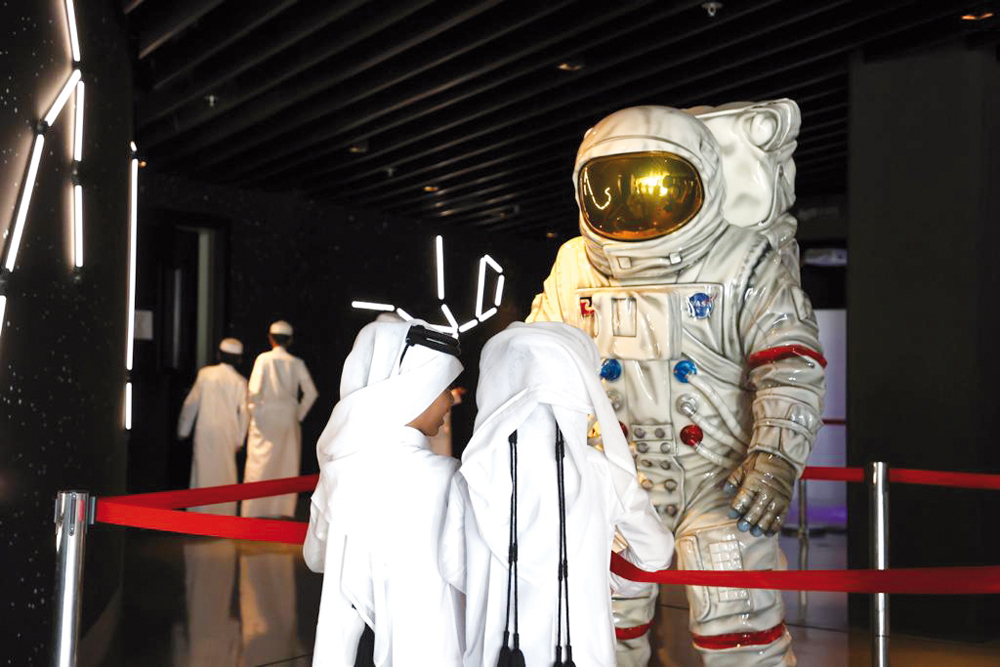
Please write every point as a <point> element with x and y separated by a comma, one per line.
<point>197,601</point>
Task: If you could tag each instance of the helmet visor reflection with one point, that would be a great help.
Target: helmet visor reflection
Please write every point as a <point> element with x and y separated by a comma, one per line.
<point>638,196</point>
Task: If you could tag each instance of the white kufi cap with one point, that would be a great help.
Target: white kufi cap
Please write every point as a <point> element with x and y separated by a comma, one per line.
<point>281,327</point>
<point>231,346</point>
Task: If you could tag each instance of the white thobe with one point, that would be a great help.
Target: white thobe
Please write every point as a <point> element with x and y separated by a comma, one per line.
<point>381,566</point>
<point>218,401</point>
<point>274,447</point>
<point>469,564</point>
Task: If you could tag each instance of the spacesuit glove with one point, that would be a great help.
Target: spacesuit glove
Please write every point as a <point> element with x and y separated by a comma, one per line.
<point>763,488</point>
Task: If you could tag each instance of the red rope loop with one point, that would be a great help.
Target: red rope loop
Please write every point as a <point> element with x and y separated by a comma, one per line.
<point>159,511</point>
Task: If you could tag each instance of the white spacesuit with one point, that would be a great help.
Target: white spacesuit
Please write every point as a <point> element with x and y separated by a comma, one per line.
<point>711,356</point>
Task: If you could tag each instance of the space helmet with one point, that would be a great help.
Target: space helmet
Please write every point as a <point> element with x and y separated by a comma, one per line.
<point>650,189</point>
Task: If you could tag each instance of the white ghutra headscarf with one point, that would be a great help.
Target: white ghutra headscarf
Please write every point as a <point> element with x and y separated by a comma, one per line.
<point>523,367</point>
<point>365,449</point>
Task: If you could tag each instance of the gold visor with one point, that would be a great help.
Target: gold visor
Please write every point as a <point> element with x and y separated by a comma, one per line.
<point>639,196</point>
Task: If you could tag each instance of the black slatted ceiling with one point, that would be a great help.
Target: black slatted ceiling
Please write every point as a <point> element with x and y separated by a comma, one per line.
<point>465,96</point>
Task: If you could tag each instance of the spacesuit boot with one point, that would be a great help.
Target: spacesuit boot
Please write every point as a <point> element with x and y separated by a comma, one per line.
<point>711,361</point>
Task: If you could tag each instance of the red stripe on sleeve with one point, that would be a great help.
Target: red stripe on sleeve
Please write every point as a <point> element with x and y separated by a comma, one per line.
<point>784,352</point>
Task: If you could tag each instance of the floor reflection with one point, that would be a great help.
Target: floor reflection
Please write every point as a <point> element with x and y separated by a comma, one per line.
<point>200,601</point>
<point>214,603</point>
<point>211,635</point>
<point>267,604</point>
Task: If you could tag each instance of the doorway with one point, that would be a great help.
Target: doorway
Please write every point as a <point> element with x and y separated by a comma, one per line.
<point>181,295</point>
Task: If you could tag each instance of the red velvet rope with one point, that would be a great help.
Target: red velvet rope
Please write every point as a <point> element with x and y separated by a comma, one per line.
<point>159,511</point>
<point>958,480</point>
<point>195,523</point>
<point>922,580</point>
<point>211,495</point>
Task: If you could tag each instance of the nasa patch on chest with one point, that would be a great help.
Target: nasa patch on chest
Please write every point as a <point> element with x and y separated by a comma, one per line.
<point>700,305</point>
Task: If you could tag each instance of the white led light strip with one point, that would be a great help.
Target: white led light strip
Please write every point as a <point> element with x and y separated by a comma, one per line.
<point>128,406</point>
<point>439,242</point>
<point>370,305</point>
<point>74,41</point>
<point>133,218</point>
<point>452,327</point>
<point>73,84</point>
<point>22,206</point>
<point>481,289</point>
<point>133,233</point>
<point>57,106</point>
<point>77,188</point>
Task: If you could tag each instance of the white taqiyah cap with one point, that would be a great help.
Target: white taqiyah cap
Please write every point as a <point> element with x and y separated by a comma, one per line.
<point>281,327</point>
<point>231,346</point>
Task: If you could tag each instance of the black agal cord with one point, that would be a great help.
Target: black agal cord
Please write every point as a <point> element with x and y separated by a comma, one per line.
<point>563,559</point>
<point>511,656</point>
<point>435,340</point>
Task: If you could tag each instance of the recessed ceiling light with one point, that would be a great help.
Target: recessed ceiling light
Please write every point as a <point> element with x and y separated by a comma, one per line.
<point>550,234</point>
<point>571,65</point>
<point>431,188</point>
<point>142,163</point>
<point>358,147</point>
<point>711,8</point>
<point>977,17</point>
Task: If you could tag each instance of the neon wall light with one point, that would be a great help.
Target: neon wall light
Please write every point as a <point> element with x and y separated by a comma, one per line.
<point>75,87</point>
<point>452,326</point>
<point>72,87</point>
<point>133,234</point>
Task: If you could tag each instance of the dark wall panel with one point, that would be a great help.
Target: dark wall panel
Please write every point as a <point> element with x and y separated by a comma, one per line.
<point>62,348</point>
<point>923,304</point>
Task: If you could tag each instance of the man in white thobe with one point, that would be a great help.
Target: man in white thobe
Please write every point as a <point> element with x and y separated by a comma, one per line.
<point>216,407</point>
<point>274,447</point>
<point>380,503</point>
<point>538,381</point>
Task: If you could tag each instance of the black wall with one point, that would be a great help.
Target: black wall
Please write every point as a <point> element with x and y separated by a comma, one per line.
<point>305,262</point>
<point>62,349</point>
<point>924,306</point>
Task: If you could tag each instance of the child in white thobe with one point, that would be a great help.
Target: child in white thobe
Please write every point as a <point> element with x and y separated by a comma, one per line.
<point>378,509</point>
<point>537,385</point>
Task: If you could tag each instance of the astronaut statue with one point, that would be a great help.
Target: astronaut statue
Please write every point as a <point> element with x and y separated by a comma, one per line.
<point>710,347</point>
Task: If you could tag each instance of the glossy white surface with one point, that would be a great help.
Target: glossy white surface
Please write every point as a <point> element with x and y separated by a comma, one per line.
<point>683,314</point>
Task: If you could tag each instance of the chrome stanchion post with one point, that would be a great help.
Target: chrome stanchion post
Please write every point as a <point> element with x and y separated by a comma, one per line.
<point>878,502</point>
<point>803,538</point>
<point>72,515</point>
